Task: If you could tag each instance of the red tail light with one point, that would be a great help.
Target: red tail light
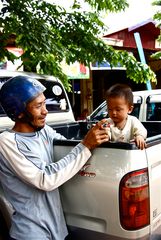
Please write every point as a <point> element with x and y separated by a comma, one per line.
<point>134,200</point>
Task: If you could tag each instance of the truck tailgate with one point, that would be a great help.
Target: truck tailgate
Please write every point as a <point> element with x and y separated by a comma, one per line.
<point>91,198</point>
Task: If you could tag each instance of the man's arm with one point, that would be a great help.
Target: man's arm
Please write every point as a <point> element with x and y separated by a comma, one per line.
<point>54,174</point>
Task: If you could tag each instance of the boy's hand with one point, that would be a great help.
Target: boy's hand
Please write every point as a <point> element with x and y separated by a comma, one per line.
<point>140,142</point>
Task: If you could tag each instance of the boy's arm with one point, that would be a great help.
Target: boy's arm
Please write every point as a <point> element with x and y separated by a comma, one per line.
<point>139,129</point>
<point>140,134</point>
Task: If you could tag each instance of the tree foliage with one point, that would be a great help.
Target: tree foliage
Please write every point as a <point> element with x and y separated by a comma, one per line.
<point>49,34</point>
<point>157,18</point>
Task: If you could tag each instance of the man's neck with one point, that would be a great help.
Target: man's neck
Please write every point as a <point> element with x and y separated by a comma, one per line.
<point>23,127</point>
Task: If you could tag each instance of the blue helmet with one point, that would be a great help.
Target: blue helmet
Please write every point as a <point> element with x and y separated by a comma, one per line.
<point>17,92</point>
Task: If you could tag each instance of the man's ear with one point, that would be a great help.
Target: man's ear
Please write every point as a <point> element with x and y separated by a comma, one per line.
<point>21,115</point>
<point>131,109</point>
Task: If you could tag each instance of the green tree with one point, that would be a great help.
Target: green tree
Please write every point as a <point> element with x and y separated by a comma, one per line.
<point>49,34</point>
<point>157,18</point>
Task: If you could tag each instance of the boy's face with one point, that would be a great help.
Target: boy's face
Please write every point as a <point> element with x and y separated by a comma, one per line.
<point>118,109</point>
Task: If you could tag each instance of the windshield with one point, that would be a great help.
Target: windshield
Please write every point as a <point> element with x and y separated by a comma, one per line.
<point>102,112</point>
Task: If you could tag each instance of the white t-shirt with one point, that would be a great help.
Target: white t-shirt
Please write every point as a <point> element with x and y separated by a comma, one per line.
<point>30,178</point>
<point>132,128</point>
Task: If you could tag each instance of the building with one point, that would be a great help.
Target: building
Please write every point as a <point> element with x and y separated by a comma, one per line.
<point>124,39</point>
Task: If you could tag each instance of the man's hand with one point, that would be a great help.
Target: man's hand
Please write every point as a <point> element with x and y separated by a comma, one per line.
<point>96,135</point>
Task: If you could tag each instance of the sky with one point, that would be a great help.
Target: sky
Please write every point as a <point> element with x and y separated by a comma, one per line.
<point>138,11</point>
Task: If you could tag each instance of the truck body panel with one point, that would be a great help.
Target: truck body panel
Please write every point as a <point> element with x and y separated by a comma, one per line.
<point>91,198</point>
<point>154,166</point>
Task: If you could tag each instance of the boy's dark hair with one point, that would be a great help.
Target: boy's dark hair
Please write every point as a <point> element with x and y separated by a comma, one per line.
<point>120,90</point>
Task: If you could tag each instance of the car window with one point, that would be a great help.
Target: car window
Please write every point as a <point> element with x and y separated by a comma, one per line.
<point>153,107</point>
<point>56,99</point>
<point>137,104</point>
<point>99,113</point>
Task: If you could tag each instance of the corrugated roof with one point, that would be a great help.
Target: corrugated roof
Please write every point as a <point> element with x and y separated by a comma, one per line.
<point>131,27</point>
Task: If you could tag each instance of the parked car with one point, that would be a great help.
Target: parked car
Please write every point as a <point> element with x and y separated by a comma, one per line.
<point>57,102</point>
<point>147,107</point>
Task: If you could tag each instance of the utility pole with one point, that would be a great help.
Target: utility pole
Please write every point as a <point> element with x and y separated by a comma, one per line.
<point>141,54</point>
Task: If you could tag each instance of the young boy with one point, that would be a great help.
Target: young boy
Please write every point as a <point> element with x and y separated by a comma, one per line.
<point>123,127</point>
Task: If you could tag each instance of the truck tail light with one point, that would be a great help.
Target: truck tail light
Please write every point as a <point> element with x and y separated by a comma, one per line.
<point>134,200</point>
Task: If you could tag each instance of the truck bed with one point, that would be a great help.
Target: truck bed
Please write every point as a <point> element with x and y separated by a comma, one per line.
<point>91,199</point>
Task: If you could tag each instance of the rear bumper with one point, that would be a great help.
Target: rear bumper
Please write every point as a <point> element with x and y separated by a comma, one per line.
<point>83,234</point>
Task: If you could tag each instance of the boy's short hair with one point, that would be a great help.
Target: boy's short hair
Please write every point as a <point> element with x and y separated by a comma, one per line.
<point>120,90</point>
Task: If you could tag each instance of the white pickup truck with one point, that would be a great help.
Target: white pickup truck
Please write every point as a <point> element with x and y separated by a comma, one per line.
<point>117,194</point>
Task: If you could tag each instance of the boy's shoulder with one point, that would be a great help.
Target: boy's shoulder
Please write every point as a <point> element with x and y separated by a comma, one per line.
<point>131,117</point>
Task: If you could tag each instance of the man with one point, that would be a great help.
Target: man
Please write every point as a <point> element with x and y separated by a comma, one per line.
<point>29,176</point>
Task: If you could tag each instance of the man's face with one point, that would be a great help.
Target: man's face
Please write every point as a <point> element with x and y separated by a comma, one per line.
<point>37,111</point>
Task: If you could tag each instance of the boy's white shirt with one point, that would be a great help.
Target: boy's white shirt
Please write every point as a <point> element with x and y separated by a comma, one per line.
<point>132,128</point>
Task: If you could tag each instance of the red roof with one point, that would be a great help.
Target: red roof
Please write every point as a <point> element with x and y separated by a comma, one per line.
<point>148,31</point>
